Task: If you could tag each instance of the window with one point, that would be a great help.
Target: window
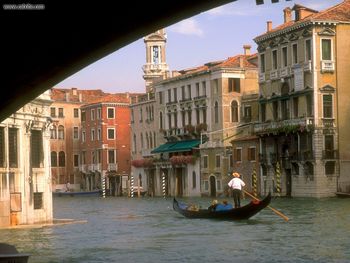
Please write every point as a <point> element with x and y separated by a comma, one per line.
<point>161,120</point>
<point>234,111</point>
<point>204,115</point>
<point>83,136</point>
<point>296,107</point>
<point>53,132</point>
<point>330,168</point>
<point>75,133</point>
<point>230,158</point>
<point>83,157</point>
<point>189,114</point>
<point>175,94</point>
<point>83,116</point>
<point>183,94</point>
<point>13,147</point>
<point>92,115</point>
<point>60,132</point>
<point>60,113</point>
<point>205,161</point>
<point>238,154</point>
<point>160,96</point>
<point>284,57</point>
<point>285,109</point>
<point>38,200</point>
<point>61,159</point>
<point>36,148</point>
<point>110,113</point>
<point>295,53</point>
<point>2,147</point>
<point>92,135</point>
<point>216,112</point>
<point>262,63</point>
<point>183,114</point>
<point>274,59</point>
<point>111,156</point>
<point>197,89</point>
<point>234,85</point>
<point>216,86</point>
<point>54,159</point>
<point>251,154</point>
<point>189,96</point>
<point>134,143</point>
<point>110,133</point>
<point>53,112</point>
<point>308,53</point>
<point>326,49</point>
<point>197,116</point>
<point>247,113</point>
<point>329,147</point>
<point>194,180</point>
<point>309,105</point>
<point>98,134</point>
<point>141,115</point>
<point>76,113</point>
<point>76,160</point>
<point>217,161</point>
<point>263,112</point>
<point>204,88</point>
<point>99,114</point>
<point>169,95</point>
<point>327,106</point>
<point>275,110</point>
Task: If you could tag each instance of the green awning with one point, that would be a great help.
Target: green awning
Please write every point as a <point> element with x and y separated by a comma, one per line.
<point>180,146</point>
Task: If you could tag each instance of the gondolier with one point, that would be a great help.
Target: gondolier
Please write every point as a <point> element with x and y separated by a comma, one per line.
<point>236,184</point>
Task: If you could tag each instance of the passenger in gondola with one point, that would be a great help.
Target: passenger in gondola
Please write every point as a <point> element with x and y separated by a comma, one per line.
<point>213,205</point>
<point>224,206</point>
<point>236,184</point>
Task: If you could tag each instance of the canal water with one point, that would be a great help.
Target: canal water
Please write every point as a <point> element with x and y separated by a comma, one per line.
<point>148,230</point>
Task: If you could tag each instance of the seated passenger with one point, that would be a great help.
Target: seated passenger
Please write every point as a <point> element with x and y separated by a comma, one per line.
<point>224,206</point>
<point>213,205</point>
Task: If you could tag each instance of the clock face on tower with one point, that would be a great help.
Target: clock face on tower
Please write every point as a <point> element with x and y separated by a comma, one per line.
<point>155,55</point>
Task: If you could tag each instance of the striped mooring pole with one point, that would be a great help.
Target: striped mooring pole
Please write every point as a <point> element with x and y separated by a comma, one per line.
<point>255,192</point>
<point>132,186</point>
<point>163,184</point>
<point>278,179</point>
<point>104,186</point>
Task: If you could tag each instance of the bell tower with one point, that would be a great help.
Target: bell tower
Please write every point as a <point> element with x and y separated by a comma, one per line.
<point>155,66</point>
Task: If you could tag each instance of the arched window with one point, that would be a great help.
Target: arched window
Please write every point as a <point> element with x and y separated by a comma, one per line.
<point>150,141</point>
<point>216,112</point>
<point>54,159</point>
<point>61,159</point>
<point>141,137</point>
<point>234,111</point>
<point>147,141</point>
<point>53,132</point>
<point>60,132</point>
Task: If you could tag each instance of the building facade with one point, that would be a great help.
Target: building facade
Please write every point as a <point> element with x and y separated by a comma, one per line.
<point>65,135</point>
<point>105,144</point>
<point>25,175</point>
<point>303,79</point>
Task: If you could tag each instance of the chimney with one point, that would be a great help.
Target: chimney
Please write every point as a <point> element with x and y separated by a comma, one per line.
<point>287,14</point>
<point>247,49</point>
<point>268,26</point>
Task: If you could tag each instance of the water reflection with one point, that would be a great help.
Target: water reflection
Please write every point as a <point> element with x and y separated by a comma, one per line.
<point>148,230</point>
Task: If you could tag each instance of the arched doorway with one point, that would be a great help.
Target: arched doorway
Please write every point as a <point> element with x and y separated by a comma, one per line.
<point>212,182</point>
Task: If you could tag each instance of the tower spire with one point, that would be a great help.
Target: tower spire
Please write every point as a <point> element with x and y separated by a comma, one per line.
<point>156,65</point>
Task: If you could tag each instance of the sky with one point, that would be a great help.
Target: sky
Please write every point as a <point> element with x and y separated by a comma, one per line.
<point>212,35</point>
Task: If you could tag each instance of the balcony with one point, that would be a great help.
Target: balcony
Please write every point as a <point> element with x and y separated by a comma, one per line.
<point>284,126</point>
<point>307,155</point>
<point>274,74</point>
<point>202,97</point>
<point>330,154</point>
<point>307,66</point>
<point>327,66</point>
<point>146,152</point>
<point>262,77</point>
<point>328,123</point>
<point>284,72</point>
<point>112,167</point>
<point>83,168</point>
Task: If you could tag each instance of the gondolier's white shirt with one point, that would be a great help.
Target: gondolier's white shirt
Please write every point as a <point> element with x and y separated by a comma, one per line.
<point>236,183</point>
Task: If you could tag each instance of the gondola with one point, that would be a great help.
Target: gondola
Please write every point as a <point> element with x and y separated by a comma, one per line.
<point>240,213</point>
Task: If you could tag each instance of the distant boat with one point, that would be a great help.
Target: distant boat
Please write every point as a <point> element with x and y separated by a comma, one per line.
<point>80,193</point>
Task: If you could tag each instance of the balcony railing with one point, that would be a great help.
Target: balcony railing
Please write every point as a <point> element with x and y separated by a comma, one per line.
<point>261,77</point>
<point>330,154</point>
<point>284,72</point>
<point>328,123</point>
<point>327,66</point>
<point>274,74</point>
<point>283,126</point>
<point>200,97</point>
<point>308,66</point>
<point>112,167</point>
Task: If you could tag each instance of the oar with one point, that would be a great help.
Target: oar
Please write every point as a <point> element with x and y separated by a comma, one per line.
<point>273,209</point>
